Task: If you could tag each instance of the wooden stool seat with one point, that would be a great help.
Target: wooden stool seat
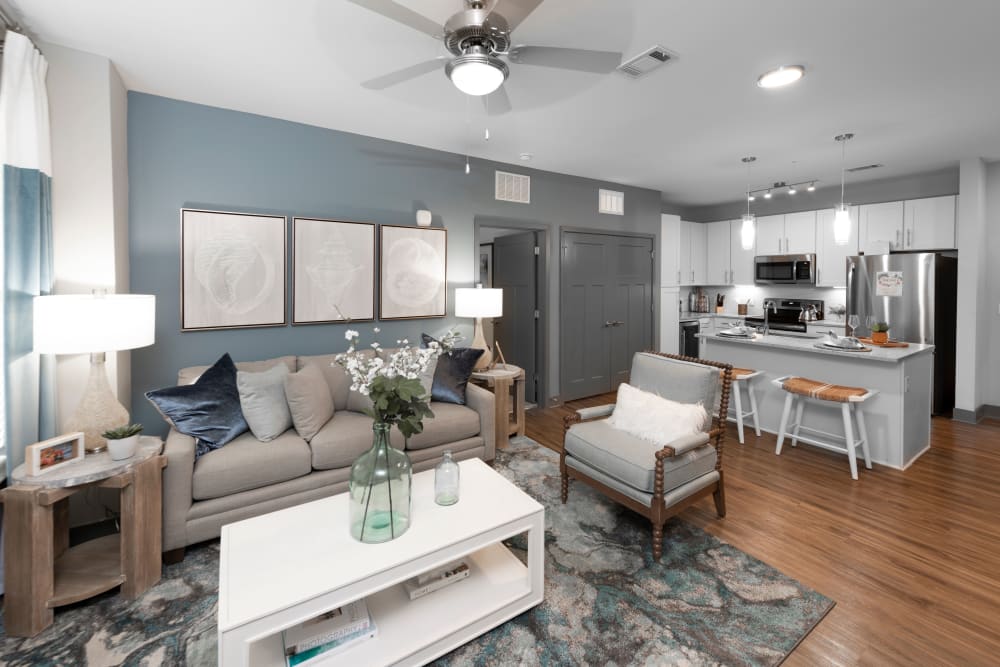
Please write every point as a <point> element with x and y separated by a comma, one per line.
<point>798,390</point>
<point>741,377</point>
<point>821,390</point>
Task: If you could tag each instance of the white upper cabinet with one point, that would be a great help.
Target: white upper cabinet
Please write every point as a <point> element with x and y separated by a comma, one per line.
<point>686,268</point>
<point>929,224</point>
<point>699,241</point>
<point>770,234</point>
<point>831,259</point>
<point>800,233</point>
<point>740,260</point>
<point>670,255</point>
<point>794,233</point>
<point>881,222</point>
<point>718,269</point>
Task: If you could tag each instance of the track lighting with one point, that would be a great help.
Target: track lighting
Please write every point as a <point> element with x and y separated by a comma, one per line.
<point>812,187</point>
<point>792,190</point>
<point>767,195</point>
<point>781,186</point>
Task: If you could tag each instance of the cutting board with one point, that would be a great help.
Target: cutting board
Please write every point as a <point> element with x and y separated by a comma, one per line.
<point>891,343</point>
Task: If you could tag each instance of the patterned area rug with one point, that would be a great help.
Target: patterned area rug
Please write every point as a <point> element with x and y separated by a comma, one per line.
<point>606,602</point>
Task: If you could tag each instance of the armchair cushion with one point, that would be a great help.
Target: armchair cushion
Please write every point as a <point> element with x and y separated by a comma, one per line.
<point>654,418</point>
<point>680,381</point>
<point>632,460</point>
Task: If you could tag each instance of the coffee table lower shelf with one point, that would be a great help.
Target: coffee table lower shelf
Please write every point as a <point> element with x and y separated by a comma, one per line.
<point>416,631</point>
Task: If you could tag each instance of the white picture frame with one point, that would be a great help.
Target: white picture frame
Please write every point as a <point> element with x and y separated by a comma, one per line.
<point>413,272</point>
<point>54,453</point>
<point>233,270</point>
<point>333,271</point>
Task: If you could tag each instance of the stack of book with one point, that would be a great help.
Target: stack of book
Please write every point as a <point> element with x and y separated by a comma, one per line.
<point>435,579</point>
<point>331,632</point>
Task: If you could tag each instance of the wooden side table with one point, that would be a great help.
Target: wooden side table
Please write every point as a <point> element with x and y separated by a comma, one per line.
<point>42,572</point>
<point>502,379</point>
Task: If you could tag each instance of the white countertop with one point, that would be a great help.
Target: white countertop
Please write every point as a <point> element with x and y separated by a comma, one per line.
<point>688,315</point>
<point>808,345</point>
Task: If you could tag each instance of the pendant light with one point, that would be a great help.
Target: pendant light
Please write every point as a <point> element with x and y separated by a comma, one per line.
<point>747,231</point>
<point>842,219</point>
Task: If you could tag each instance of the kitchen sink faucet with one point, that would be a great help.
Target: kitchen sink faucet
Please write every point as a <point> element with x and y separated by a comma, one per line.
<point>769,307</point>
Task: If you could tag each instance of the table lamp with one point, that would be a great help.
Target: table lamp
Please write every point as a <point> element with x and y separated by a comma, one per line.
<point>479,303</point>
<point>95,324</point>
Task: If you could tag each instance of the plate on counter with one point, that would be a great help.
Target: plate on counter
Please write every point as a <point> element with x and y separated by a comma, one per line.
<point>738,332</point>
<point>841,348</point>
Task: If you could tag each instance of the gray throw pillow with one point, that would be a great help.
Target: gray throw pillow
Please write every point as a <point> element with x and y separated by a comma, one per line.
<point>309,400</point>
<point>262,398</point>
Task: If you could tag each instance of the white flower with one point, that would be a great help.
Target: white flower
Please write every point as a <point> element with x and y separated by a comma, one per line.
<point>351,334</point>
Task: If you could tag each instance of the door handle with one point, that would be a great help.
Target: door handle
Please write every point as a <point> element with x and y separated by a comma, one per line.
<point>897,238</point>
<point>678,277</point>
<point>909,238</point>
<point>613,323</point>
<point>786,244</point>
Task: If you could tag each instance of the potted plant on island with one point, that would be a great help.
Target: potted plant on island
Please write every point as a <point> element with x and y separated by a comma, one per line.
<point>123,441</point>
<point>880,333</point>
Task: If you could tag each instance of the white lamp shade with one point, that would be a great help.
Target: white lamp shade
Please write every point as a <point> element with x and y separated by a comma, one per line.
<point>842,226</point>
<point>748,231</point>
<point>478,302</point>
<point>476,78</point>
<point>83,323</point>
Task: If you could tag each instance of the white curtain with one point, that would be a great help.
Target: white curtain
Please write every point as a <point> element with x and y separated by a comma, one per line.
<point>26,395</point>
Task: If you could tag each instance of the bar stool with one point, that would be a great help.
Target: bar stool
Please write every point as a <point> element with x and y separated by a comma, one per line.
<point>850,398</point>
<point>744,377</point>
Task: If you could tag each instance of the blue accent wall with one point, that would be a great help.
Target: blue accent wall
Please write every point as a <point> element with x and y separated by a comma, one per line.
<point>183,155</point>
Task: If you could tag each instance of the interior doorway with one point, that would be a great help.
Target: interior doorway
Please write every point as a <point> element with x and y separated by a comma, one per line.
<point>512,259</point>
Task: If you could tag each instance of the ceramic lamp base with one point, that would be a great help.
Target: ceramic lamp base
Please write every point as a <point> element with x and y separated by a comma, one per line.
<point>98,410</point>
<point>479,343</point>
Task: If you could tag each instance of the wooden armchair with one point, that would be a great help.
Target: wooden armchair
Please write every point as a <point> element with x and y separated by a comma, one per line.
<point>655,481</point>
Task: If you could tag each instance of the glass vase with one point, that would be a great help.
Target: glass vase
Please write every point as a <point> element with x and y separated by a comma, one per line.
<point>446,479</point>
<point>380,490</point>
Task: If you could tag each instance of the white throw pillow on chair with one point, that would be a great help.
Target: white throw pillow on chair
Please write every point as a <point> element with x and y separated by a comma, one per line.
<point>655,418</point>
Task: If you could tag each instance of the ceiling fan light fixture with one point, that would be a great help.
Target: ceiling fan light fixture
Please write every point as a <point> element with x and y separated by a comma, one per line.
<point>781,76</point>
<point>476,73</point>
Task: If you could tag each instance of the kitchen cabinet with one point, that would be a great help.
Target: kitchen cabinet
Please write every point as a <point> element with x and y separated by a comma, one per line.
<point>831,259</point>
<point>718,267</point>
<point>800,233</point>
<point>682,252</point>
<point>881,223</point>
<point>929,224</point>
<point>740,260</point>
<point>794,233</point>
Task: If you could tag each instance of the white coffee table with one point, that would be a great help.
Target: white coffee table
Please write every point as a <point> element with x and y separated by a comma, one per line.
<point>285,567</point>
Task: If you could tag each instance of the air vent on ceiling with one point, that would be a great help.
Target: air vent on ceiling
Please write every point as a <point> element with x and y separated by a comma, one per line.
<point>863,168</point>
<point>513,187</point>
<point>646,62</point>
<point>611,202</point>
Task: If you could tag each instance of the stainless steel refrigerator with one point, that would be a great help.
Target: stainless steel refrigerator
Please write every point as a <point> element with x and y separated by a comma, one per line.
<point>915,293</point>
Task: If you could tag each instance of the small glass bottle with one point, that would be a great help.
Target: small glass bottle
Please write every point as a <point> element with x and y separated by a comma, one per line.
<point>446,476</point>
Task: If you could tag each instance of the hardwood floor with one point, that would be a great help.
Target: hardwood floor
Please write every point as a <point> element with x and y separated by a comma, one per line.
<point>911,558</point>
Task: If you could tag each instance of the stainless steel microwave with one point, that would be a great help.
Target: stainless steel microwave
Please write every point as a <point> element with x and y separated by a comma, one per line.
<point>784,269</point>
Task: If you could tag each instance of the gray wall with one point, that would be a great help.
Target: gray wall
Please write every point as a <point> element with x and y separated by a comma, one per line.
<point>188,155</point>
<point>933,184</point>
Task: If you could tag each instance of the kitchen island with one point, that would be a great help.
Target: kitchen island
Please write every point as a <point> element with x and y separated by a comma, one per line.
<point>898,418</point>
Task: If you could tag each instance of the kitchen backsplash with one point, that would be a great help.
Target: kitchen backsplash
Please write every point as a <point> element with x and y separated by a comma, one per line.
<point>831,296</point>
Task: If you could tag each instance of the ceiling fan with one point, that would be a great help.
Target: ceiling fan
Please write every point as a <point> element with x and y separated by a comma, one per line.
<point>478,39</point>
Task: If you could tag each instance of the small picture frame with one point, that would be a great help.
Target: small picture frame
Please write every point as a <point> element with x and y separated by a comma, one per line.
<point>48,455</point>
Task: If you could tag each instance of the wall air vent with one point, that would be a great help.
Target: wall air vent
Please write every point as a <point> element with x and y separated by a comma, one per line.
<point>513,187</point>
<point>863,168</point>
<point>611,202</point>
<point>646,62</point>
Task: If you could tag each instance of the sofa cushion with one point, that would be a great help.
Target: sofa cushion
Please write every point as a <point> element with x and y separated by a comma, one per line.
<point>452,372</point>
<point>343,439</point>
<point>192,373</point>
<point>309,400</point>
<point>262,399</point>
<point>247,463</point>
<point>336,378</point>
<point>450,423</point>
<point>631,459</point>
<point>208,410</point>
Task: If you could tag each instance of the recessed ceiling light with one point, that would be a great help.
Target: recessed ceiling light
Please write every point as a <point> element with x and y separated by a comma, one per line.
<point>525,157</point>
<point>781,76</point>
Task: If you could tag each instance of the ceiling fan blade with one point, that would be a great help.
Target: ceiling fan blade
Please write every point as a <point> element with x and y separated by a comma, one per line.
<point>401,14</point>
<point>514,11</point>
<point>401,75</point>
<point>580,60</point>
<point>497,103</point>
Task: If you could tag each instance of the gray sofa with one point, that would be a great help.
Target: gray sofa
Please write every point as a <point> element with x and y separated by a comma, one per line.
<point>248,477</point>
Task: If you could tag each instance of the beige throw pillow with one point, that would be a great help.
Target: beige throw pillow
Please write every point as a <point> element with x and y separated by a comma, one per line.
<point>655,418</point>
<point>262,399</point>
<point>309,400</point>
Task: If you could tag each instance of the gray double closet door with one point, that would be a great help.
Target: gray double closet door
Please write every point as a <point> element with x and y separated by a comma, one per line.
<point>606,310</point>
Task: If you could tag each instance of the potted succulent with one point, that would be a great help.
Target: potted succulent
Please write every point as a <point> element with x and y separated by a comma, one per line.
<point>880,333</point>
<point>122,441</point>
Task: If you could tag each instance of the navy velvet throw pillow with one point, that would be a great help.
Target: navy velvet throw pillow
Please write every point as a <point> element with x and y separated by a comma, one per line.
<point>452,372</point>
<point>208,410</point>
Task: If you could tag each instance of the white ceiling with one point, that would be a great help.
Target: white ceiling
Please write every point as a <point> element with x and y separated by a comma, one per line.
<point>918,81</point>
